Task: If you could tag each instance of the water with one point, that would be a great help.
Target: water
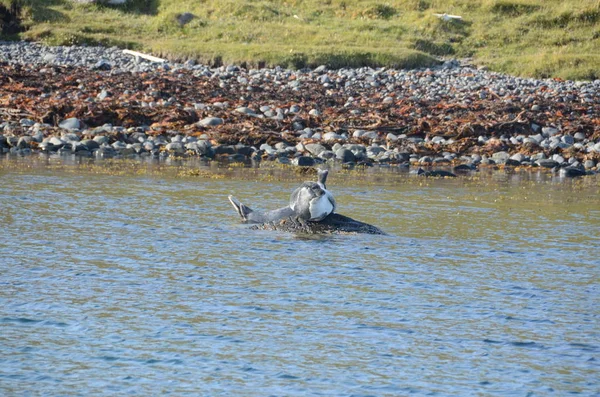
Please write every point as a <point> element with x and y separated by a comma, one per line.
<point>145,283</point>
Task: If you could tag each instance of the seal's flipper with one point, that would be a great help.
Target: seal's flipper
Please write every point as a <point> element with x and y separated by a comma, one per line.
<point>240,208</point>
<point>250,216</point>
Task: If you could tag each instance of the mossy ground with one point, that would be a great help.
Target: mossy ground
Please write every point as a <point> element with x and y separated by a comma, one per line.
<point>539,38</point>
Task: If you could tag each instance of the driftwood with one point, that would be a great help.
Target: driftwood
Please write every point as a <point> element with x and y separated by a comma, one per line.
<point>151,58</point>
<point>332,224</point>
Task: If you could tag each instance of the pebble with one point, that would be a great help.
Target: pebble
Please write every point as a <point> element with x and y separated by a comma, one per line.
<point>467,84</point>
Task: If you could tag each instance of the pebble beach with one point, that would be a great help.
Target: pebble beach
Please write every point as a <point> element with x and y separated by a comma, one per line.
<point>101,103</point>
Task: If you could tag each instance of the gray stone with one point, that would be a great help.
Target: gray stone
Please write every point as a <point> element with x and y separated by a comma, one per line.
<point>314,148</point>
<point>24,142</point>
<point>345,155</point>
<point>518,157</point>
<point>224,149</point>
<point>102,64</point>
<point>500,157</point>
<point>579,136</point>
<point>326,154</point>
<point>101,139</point>
<point>546,163</point>
<point>70,124</point>
<point>332,136</point>
<point>103,95</point>
<point>56,141</point>
<point>184,18</point>
<point>588,164</point>
<point>558,158</point>
<point>90,144</point>
<point>549,131</point>
<point>568,139</point>
<point>246,111</point>
<point>210,121</point>
<point>304,161</point>
<point>27,122</point>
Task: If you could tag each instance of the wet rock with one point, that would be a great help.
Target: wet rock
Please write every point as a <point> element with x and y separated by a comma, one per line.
<point>224,149</point>
<point>345,155</point>
<point>572,172</point>
<point>463,168</point>
<point>436,173</point>
<point>90,144</point>
<point>546,163</point>
<point>24,142</point>
<point>304,161</point>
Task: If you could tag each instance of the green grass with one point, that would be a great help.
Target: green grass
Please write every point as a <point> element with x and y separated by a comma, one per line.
<point>539,38</point>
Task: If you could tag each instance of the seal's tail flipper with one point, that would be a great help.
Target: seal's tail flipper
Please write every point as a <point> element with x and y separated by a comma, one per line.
<point>240,208</point>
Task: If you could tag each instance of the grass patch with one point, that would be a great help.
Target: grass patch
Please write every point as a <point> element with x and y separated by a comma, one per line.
<point>536,38</point>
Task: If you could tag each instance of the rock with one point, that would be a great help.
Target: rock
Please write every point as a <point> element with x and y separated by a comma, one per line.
<point>558,158</point>
<point>326,154</point>
<point>56,141</point>
<point>175,147</point>
<point>103,95</point>
<point>568,139</point>
<point>332,136</point>
<point>70,124</point>
<point>314,148</point>
<point>304,161</point>
<point>101,139</point>
<point>500,157</point>
<point>436,173</point>
<point>579,136</point>
<point>26,122</point>
<point>210,121</point>
<point>546,163</point>
<point>102,65</point>
<point>588,164</point>
<point>184,18</point>
<point>572,172</point>
<point>24,142</point>
<point>90,144</point>
<point>463,168</point>
<point>246,111</point>
<point>345,155</point>
<point>224,149</point>
<point>519,157</point>
<point>549,131</point>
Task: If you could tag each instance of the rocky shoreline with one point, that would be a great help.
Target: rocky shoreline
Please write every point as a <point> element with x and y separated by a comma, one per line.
<point>98,102</point>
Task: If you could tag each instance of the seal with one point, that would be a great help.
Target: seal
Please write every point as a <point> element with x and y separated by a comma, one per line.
<point>309,202</point>
<point>312,201</point>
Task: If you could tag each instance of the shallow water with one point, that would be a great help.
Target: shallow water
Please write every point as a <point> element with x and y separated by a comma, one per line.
<point>114,284</point>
